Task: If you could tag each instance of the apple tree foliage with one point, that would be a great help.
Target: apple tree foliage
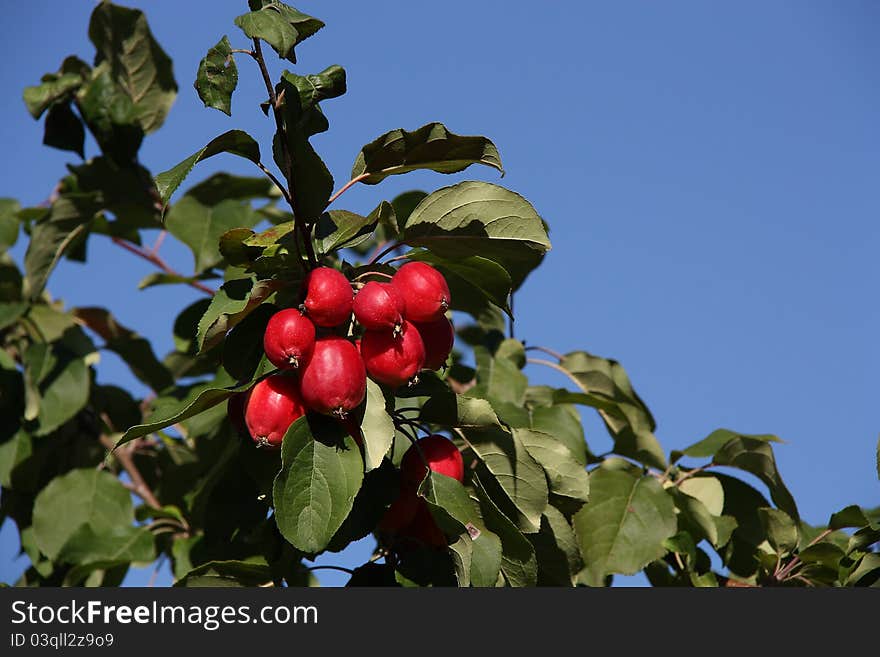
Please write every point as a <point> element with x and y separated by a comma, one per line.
<point>97,480</point>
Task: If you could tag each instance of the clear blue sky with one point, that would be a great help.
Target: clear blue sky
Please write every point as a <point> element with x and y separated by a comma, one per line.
<point>709,172</point>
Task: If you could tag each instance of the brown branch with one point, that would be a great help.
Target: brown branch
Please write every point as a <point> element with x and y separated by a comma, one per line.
<point>547,351</point>
<point>138,486</point>
<point>795,562</point>
<point>351,183</point>
<point>690,473</point>
<point>158,244</point>
<point>155,259</point>
<point>381,254</point>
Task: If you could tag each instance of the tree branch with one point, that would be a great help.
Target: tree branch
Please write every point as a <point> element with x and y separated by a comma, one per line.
<point>138,486</point>
<point>351,183</point>
<point>155,259</point>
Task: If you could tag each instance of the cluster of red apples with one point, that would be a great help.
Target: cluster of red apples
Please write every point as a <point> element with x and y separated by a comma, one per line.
<point>404,330</point>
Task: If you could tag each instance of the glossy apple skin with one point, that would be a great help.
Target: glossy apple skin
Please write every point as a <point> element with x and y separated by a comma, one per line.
<point>272,406</point>
<point>425,291</point>
<point>441,454</point>
<point>334,381</point>
<point>289,339</point>
<point>393,361</point>
<point>438,337</point>
<point>379,306</point>
<point>328,297</point>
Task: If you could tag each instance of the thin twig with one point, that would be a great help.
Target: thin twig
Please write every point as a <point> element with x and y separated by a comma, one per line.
<point>159,240</point>
<point>371,273</point>
<point>351,183</point>
<point>558,368</point>
<point>140,487</point>
<point>547,351</point>
<point>339,568</point>
<point>159,262</point>
<point>690,473</point>
<point>795,562</point>
<point>510,320</point>
<point>383,253</point>
<point>275,180</point>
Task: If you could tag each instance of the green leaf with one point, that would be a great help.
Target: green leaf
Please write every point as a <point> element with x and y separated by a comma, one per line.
<point>243,353</point>
<point>316,487</point>
<point>459,411</point>
<point>724,528</point>
<point>472,281</point>
<point>228,574</point>
<point>430,147</point>
<point>172,411</point>
<point>52,89</point>
<point>711,444</point>
<point>380,488</point>
<point>234,300</point>
<point>111,116</point>
<point>200,226</point>
<point>225,186</point>
<point>102,505</point>
<point>403,206</point>
<point>518,561</point>
<point>755,456</point>
<point>449,504</point>
<point>707,489</point>
<point>14,452</point>
<point>64,129</point>
<point>485,557</point>
<point>566,477</point>
<point>121,544</point>
<point>562,422</point>
<point>477,218</point>
<point>827,554</point>
<point>624,526</point>
<point>9,223</point>
<point>557,550</point>
<point>866,570</point>
<point>137,62</point>
<point>341,229</point>
<point>279,25</point>
<point>851,516</point>
<point>312,89</point>
<point>694,517</point>
<point>302,118</point>
<point>607,388</point>
<point>499,378</point>
<point>62,384</point>
<point>236,142</point>
<point>217,77</point>
<point>134,349</point>
<point>461,552</point>
<point>516,472</point>
<point>377,427</point>
<point>53,236</point>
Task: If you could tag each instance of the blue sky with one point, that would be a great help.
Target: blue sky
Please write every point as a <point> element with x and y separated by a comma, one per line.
<point>708,170</point>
